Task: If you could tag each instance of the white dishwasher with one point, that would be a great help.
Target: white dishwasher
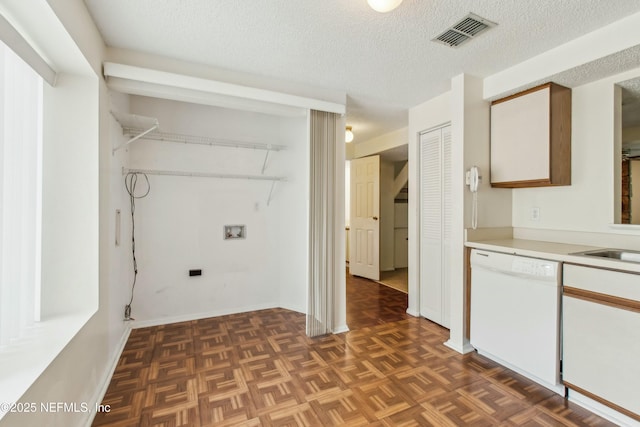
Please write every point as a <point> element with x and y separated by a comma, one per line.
<point>515,314</point>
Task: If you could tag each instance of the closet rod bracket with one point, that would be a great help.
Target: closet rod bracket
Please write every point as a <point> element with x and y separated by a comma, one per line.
<point>273,184</point>
<point>140,135</point>
<point>266,156</point>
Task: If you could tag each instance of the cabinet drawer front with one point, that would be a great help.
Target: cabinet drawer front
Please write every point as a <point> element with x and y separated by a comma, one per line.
<point>618,284</point>
<point>601,345</point>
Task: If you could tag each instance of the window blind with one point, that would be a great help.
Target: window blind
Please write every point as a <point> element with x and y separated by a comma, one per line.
<point>20,195</point>
<point>321,223</point>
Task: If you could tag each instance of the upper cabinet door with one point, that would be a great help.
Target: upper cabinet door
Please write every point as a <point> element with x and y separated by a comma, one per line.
<point>531,138</point>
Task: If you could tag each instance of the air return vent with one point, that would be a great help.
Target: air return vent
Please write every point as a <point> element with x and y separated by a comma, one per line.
<point>466,29</point>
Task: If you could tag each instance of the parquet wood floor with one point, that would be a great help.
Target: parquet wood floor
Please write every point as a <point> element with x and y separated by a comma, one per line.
<point>370,303</point>
<point>259,369</point>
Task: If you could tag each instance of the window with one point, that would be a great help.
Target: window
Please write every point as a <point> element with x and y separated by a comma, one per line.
<point>20,195</point>
<point>49,195</point>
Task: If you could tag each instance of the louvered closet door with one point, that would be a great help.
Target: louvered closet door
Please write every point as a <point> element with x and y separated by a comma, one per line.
<point>435,156</point>
<point>446,224</point>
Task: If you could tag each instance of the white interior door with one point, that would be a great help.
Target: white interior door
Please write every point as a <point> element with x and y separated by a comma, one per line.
<point>364,259</point>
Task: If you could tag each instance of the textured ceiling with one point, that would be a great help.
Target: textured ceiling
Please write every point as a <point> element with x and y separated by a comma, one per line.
<point>386,63</point>
<point>630,90</point>
<point>630,102</point>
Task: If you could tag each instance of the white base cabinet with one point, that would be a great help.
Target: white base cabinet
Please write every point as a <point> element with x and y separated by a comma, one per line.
<point>601,336</point>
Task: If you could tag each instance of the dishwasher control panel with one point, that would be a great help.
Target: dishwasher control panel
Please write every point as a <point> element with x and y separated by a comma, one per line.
<point>534,267</point>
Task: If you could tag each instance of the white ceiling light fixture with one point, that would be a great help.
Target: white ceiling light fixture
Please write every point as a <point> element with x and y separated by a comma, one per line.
<point>384,6</point>
<point>348,134</point>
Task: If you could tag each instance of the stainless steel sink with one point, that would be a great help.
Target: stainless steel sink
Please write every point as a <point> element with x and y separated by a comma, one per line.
<point>616,254</point>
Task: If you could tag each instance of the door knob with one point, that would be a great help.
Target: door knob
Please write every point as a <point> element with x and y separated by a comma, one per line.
<point>375,218</point>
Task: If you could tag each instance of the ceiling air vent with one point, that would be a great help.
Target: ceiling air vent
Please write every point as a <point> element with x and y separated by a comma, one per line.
<point>466,29</point>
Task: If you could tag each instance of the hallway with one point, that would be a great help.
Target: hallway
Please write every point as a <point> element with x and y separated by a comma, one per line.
<point>370,303</point>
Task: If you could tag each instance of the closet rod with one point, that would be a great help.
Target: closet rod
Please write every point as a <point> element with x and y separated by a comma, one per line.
<point>205,140</point>
<point>204,174</point>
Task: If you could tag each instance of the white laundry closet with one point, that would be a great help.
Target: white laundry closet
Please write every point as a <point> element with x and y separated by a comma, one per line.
<point>180,225</point>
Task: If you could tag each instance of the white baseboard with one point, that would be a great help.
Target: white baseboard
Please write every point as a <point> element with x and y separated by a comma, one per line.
<point>341,329</point>
<point>462,349</point>
<point>556,388</point>
<point>106,377</point>
<point>135,324</point>
<point>412,312</point>
<point>602,410</point>
<point>295,308</point>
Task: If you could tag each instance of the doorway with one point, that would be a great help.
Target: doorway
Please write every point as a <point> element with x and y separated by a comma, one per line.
<point>377,294</point>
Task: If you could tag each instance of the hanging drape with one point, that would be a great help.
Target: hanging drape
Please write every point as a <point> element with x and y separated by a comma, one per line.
<point>322,267</point>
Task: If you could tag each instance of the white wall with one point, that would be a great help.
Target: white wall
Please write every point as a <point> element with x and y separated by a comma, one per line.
<point>179,225</point>
<point>470,146</point>
<point>379,144</point>
<point>588,204</point>
<point>70,203</point>
<point>339,252</point>
<point>494,204</point>
<point>117,293</point>
<point>291,206</point>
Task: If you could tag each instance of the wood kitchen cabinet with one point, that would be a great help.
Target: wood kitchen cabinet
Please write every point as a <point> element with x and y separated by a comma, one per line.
<point>531,138</point>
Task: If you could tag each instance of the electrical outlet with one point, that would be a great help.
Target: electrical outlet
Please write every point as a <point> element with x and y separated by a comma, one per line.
<point>535,214</point>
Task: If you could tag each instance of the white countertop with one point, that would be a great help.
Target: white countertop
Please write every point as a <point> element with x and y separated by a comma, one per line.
<point>553,251</point>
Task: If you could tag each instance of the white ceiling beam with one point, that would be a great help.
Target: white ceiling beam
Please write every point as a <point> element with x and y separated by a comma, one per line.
<point>139,80</point>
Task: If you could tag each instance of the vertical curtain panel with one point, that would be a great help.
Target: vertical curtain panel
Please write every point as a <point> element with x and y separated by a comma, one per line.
<point>323,128</point>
